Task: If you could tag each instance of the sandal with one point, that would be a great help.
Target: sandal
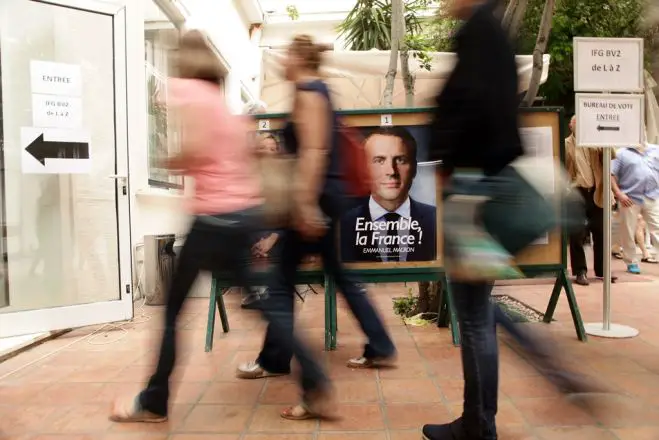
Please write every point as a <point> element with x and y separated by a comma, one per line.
<point>649,260</point>
<point>319,407</point>
<point>299,412</point>
<point>131,411</point>
<point>617,255</point>
<point>376,362</point>
<point>252,370</point>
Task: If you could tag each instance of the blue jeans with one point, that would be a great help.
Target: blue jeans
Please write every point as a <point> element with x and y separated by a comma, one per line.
<point>478,318</point>
<point>480,358</point>
<point>280,343</point>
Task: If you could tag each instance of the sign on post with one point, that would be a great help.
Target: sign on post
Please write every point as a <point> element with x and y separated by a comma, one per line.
<point>605,120</point>
<point>608,64</point>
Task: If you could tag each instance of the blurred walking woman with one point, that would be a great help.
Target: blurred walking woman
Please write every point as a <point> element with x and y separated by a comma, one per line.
<point>225,205</point>
<point>311,134</point>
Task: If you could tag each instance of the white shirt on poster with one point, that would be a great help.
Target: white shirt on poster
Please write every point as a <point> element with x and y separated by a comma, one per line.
<point>377,215</point>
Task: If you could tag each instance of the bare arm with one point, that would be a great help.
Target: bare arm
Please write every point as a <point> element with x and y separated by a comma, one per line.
<point>614,186</point>
<point>311,117</point>
<point>620,196</point>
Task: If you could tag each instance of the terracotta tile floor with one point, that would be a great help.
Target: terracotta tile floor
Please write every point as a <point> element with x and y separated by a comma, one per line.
<point>63,388</point>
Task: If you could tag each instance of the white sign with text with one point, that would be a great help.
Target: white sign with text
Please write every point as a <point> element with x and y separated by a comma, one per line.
<point>608,64</point>
<point>606,120</point>
<point>49,78</point>
<point>56,111</point>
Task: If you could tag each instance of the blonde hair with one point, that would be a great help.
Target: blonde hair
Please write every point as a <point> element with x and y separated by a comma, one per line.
<point>310,52</point>
<point>196,60</point>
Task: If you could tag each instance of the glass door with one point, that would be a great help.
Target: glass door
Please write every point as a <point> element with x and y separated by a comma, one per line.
<point>64,186</point>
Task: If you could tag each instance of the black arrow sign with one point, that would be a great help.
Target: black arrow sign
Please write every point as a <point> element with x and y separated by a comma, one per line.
<point>41,150</point>
<point>603,128</point>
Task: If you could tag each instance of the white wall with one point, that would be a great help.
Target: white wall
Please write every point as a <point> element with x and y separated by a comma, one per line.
<point>280,33</point>
<point>157,210</point>
<point>153,211</point>
<point>161,211</point>
<point>229,31</point>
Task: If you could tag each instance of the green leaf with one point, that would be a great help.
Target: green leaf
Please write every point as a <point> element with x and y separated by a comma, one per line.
<point>368,24</point>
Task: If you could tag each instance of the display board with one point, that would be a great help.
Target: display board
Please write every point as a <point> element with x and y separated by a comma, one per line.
<point>399,225</point>
<point>543,136</point>
<point>397,144</point>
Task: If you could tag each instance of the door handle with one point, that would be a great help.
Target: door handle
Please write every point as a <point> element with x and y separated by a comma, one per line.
<point>123,180</point>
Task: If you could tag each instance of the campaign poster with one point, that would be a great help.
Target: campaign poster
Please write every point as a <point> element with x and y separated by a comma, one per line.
<point>398,221</point>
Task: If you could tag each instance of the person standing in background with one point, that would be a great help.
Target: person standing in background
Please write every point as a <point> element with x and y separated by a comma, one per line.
<point>267,243</point>
<point>635,173</point>
<point>584,167</point>
<point>265,247</point>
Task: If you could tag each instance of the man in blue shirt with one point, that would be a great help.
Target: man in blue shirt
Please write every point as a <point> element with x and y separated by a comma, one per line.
<point>635,173</point>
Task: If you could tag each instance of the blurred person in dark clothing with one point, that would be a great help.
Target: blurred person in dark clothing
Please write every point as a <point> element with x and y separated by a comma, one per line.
<point>319,202</point>
<point>475,126</point>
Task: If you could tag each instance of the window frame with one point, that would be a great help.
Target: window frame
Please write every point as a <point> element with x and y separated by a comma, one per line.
<point>177,19</point>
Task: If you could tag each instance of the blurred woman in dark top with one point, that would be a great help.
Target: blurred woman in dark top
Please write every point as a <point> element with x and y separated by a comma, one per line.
<point>319,200</point>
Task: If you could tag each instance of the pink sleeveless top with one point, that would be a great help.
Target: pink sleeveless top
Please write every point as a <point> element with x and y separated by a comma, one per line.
<point>223,168</point>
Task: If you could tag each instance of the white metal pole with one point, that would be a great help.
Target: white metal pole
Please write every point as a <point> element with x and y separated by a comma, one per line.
<point>607,239</point>
<point>590,76</point>
<point>606,329</point>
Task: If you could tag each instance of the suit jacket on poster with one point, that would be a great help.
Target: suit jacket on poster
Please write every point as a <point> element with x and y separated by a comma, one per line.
<point>422,213</point>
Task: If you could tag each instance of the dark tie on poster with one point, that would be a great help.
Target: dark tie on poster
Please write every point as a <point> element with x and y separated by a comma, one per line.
<point>392,254</point>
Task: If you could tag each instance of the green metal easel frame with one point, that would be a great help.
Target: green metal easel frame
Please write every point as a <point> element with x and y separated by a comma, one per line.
<point>446,312</point>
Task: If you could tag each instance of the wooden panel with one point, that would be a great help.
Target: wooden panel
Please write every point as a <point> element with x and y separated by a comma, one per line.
<point>550,253</point>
